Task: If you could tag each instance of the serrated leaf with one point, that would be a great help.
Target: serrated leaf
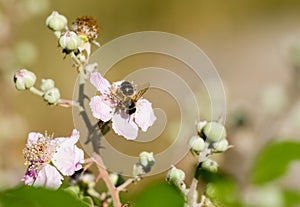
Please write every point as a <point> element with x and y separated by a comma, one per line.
<point>273,161</point>
<point>26,196</point>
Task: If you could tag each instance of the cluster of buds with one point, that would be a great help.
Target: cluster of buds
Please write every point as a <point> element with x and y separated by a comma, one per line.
<point>144,165</point>
<point>210,139</point>
<point>25,80</point>
<point>83,32</point>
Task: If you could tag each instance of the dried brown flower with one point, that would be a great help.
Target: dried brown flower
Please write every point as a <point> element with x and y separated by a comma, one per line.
<point>86,26</point>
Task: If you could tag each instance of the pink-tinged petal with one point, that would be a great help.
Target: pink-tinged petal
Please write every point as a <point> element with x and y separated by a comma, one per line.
<point>48,177</point>
<point>68,157</point>
<point>101,109</point>
<point>68,141</point>
<point>33,137</point>
<point>68,160</point>
<point>100,83</point>
<point>144,115</point>
<point>123,125</point>
<point>29,177</point>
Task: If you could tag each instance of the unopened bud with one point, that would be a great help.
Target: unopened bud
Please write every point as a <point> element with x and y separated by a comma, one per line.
<point>47,84</point>
<point>210,165</point>
<point>138,170</point>
<point>221,146</point>
<point>52,96</point>
<point>176,176</point>
<point>69,41</point>
<point>200,125</point>
<point>56,21</point>
<point>146,159</point>
<point>214,132</point>
<point>197,144</point>
<point>24,79</point>
<point>114,177</point>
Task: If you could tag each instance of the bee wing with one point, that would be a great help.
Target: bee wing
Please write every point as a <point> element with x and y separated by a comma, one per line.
<point>141,91</point>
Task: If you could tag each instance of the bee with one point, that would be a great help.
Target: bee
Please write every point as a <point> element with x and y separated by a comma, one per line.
<point>127,95</point>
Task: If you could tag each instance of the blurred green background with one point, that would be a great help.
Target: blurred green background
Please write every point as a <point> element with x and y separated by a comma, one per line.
<point>250,42</point>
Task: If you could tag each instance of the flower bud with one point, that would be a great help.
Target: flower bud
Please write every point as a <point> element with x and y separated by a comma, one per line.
<point>210,165</point>
<point>221,146</point>
<point>146,159</point>
<point>56,21</point>
<point>114,177</point>
<point>52,96</point>
<point>24,79</point>
<point>176,176</point>
<point>197,144</point>
<point>214,132</point>
<point>200,125</point>
<point>47,84</point>
<point>69,41</point>
<point>73,190</point>
<point>137,170</point>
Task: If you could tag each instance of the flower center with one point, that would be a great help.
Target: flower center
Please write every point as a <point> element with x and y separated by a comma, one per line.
<point>39,153</point>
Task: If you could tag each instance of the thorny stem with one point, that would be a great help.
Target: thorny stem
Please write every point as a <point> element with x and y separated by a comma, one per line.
<point>193,188</point>
<point>105,176</point>
<point>125,184</point>
<point>192,191</point>
<point>67,103</point>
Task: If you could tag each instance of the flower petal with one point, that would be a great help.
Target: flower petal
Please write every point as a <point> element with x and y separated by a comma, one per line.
<point>48,177</point>
<point>68,160</point>
<point>68,157</point>
<point>101,84</point>
<point>30,176</point>
<point>123,125</point>
<point>68,141</point>
<point>144,115</point>
<point>100,109</point>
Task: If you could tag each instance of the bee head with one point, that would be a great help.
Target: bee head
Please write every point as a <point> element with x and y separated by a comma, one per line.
<point>127,88</point>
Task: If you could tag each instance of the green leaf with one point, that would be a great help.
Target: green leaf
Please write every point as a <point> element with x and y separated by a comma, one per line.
<point>292,198</point>
<point>159,195</point>
<point>224,192</point>
<point>273,161</point>
<point>26,196</point>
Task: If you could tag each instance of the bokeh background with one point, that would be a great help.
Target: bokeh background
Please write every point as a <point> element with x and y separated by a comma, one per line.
<point>252,43</point>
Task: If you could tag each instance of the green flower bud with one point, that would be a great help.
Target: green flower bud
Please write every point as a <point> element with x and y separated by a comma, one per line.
<point>146,159</point>
<point>114,177</point>
<point>73,190</point>
<point>24,79</point>
<point>56,21</point>
<point>69,41</point>
<point>214,132</point>
<point>138,170</point>
<point>200,125</point>
<point>176,176</point>
<point>197,144</point>
<point>210,165</point>
<point>47,84</point>
<point>52,96</point>
<point>221,146</point>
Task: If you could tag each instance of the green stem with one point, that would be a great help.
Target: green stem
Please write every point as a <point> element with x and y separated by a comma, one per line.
<point>36,91</point>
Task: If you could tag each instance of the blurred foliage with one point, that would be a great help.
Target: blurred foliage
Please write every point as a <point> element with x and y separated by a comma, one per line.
<point>159,195</point>
<point>292,198</point>
<point>273,161</point>
<point>37,197</point>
